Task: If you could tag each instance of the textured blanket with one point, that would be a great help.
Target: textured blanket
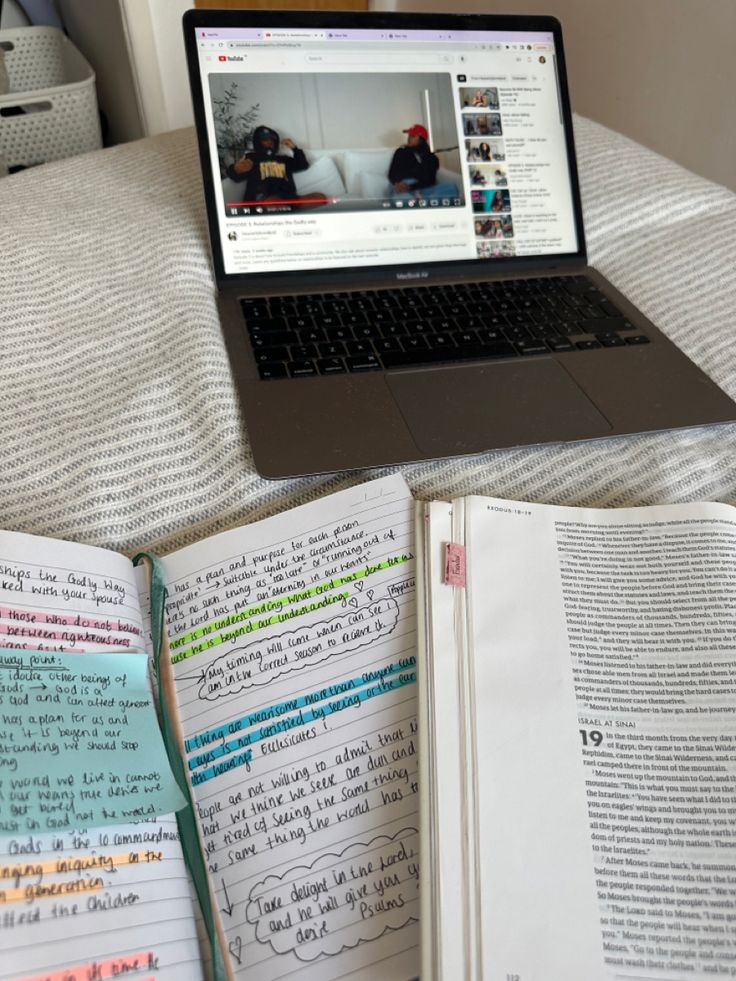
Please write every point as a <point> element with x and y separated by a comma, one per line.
<point>119,421</point>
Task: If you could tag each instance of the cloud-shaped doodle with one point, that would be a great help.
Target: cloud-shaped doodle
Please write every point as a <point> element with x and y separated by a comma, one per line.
<point>341,900</point>
<point>262,661</point>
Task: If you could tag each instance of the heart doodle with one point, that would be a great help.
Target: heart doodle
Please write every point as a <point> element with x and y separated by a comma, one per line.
<point>236,949</point>
<point>353,602</point>
<point>359,586</point>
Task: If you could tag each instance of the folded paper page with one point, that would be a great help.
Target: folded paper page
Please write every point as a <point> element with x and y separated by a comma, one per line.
<point>80,744</point>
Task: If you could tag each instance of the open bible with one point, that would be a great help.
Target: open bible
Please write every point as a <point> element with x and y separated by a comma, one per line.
<point>288,668</point>
<point>578,759</point>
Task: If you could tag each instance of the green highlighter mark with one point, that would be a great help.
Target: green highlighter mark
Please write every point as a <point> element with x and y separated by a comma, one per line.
<point>212,636</point>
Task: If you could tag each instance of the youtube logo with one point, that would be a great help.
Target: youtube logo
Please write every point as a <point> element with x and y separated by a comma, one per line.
<point>222,57</point>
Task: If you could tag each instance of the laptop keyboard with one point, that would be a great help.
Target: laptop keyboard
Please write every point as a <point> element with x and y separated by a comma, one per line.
<point>376,330</point>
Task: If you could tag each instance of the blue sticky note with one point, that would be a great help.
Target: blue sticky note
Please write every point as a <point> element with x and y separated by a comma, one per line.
<point>80,744</point>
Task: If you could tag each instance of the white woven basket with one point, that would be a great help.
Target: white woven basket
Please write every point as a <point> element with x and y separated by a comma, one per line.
<point>51,109</point>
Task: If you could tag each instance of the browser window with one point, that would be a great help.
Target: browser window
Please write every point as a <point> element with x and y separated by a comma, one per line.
<point>366,147</point>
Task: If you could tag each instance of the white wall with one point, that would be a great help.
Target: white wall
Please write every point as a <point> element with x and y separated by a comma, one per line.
<point>155,42</point>
<point>12,16</point>
<point>169,43</point>
<point>97,30</point>
<point>320,111</point>
<point>661,71</point>
<point>137,50</point>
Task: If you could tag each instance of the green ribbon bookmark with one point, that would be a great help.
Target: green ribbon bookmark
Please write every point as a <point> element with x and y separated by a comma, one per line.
<point>184,818</point>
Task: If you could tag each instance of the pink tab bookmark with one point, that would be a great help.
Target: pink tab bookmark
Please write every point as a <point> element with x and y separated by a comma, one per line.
<point>454,565</point>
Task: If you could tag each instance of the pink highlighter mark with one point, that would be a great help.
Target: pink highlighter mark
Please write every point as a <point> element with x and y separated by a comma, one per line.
<point>73,620</point>
<point>101,970</point>
<point>454,564</point>
<point>70,637</point>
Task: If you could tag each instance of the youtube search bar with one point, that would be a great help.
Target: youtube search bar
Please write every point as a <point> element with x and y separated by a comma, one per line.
<point>376,58</point>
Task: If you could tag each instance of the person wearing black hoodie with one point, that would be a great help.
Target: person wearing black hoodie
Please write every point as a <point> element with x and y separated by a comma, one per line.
<point>413,166</point>
<point>413,170</point>
<point>268,173</point>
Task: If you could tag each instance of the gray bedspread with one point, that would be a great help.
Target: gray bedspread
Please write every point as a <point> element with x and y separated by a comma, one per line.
<point>119,421</point>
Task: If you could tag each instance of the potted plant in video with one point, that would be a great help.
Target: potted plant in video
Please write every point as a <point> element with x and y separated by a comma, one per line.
<point>233,128</point>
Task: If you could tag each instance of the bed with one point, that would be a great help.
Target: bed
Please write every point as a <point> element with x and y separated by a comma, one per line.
<point>120,425</point>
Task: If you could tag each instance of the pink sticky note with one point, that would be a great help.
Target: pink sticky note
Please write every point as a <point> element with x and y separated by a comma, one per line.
<point>454,564</point>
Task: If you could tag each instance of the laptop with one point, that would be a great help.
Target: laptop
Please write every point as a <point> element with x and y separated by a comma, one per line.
<point>398,244</point>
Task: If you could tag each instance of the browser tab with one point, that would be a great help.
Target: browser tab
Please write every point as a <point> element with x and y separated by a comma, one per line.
<point>295,35</point>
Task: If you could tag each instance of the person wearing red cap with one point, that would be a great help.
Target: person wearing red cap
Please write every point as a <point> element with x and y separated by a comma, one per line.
<point>413,166</point>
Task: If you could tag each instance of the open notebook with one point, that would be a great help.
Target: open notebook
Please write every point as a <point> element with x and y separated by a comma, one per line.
<point>288,672</point>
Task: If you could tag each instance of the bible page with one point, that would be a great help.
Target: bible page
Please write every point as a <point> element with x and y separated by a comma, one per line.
<point>293,649</point>
<point>448,920</point>
<point>601,675</point>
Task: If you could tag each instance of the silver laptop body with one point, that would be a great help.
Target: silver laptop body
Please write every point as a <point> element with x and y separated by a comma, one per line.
<point>398,244</point>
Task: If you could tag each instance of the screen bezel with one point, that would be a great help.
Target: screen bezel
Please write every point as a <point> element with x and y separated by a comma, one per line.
<point>426,271</point>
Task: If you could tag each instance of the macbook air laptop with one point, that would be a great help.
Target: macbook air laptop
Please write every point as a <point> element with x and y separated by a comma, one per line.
<point>398,244</point>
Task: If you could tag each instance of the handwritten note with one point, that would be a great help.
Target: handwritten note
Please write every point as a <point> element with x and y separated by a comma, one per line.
<point>341,900</point>
<point>264,660</point>
<point>294,653</point>
<point>60,596</point>
<point>80,744</point>
<point>82,905</point>
<point>128,964</point>
<point>99,904</point>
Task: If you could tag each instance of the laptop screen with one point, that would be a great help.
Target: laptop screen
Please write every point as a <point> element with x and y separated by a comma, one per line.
<point>355,147</point>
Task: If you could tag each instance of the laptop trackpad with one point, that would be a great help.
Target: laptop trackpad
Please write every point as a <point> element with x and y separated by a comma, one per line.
<point>471,408</point>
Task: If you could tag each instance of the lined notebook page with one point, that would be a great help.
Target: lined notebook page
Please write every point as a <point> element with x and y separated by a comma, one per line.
<point>97,904</point>
<point>94,904</point>
<point>293,645</point>
<point>63,596</point>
